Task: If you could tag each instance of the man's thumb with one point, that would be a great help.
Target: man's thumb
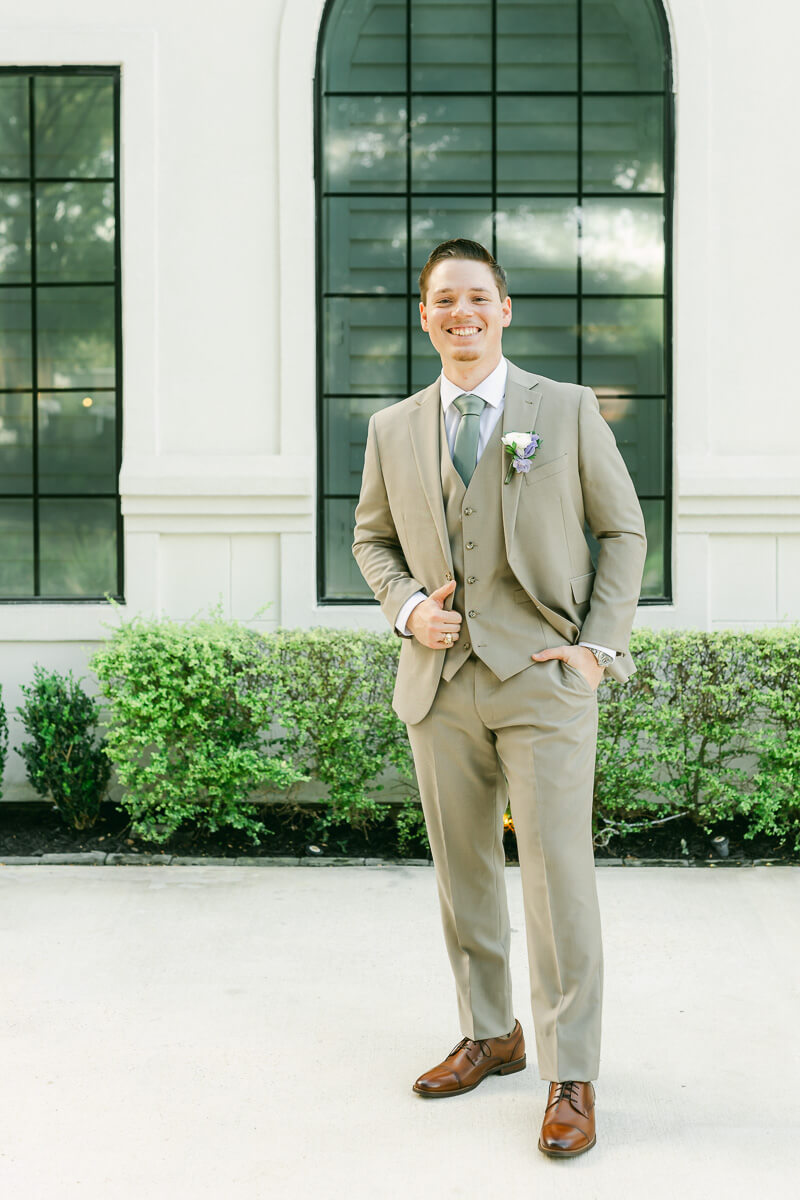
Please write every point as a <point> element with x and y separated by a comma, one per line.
<point>441,594</point>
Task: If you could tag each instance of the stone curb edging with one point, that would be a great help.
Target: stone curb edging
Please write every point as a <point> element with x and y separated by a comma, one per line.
<point>102,858</point>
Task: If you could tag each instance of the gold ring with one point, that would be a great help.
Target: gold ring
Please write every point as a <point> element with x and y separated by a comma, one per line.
<point>448,639</point>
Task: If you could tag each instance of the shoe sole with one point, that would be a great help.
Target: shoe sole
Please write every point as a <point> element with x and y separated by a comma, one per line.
<point>567,1153</point>
<point>518,1064</point>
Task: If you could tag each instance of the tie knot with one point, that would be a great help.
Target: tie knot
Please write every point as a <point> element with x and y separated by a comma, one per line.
<point>469,405</point>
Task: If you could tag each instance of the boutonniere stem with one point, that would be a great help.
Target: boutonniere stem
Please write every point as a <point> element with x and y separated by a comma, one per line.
<point>521,447</point>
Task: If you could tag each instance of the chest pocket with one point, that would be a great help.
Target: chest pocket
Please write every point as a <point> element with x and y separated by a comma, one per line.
<point>546,470</point>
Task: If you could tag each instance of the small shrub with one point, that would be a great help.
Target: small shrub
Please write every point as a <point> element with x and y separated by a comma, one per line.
<point>189,706</point>
<point>64,760</point>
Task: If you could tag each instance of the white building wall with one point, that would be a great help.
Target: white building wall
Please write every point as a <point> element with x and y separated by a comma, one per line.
<point>217,227</point>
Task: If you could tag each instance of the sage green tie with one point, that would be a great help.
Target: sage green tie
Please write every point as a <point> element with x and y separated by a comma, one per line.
<point>465,450</point>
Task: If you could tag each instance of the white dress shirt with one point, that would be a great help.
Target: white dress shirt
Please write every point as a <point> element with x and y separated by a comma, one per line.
<point>492,389</point>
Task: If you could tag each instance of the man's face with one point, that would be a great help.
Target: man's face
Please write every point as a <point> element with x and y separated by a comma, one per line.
<point>463,312</point>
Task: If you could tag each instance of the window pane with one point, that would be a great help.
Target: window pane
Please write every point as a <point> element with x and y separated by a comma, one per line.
<point>74,132</point>
<point>537,144</point>
<point>76,337</point>
<point>14,149</point>
<point>425,362</point>
<point>16,443</point>
<point>78,547</point>
<point>537,243</point>
<point>623,245</point>
<point>345,421</point>
<point>365,343</point>
<point>543,337</point>
<point>436,219</point>
<point>77,449</point>
<point>451,143</point>
<point>537,45</point>
<point>16,548</point>
<point>366,237</point>
<point>365,144</point>
<point>15,337</point>
<point>15,233</point>
<point>623,144</point>
<point>344,579</point>
<point>638,426</point>
<point>654,512</point>
<point>75,231</point>
<point>451,45</point>
<point>623,345</point>
<point>622,46</point>
<point>365,47</point>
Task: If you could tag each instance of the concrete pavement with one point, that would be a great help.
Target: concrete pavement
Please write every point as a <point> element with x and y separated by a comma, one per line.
<point>205,1032</point>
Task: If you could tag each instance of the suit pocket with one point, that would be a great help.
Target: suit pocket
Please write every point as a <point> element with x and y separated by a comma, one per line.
<point>582,587</point>
<point>537,474</point>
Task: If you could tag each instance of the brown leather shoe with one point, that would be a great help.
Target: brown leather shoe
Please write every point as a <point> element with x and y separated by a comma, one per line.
<point>568,1125</point>
<point>471,1061</point>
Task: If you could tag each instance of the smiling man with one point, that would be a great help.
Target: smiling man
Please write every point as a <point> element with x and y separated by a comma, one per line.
<point>470,532</point>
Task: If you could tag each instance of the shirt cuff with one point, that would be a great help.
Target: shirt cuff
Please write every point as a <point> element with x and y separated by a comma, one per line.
<point>406,611</point>
<point>606,649</point>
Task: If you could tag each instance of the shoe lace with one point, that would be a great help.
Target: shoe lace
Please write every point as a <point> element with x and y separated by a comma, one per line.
<point>565,1090</point>
<point>466,1043</point>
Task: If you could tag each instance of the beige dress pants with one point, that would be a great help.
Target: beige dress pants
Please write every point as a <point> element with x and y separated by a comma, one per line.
<point>532,738</point>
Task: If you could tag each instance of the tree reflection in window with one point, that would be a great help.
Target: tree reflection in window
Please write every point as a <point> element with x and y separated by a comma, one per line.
<point>542,128</point>
<point>59,334</point>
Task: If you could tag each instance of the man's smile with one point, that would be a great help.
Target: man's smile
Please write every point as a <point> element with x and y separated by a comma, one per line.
<point>464,330</point>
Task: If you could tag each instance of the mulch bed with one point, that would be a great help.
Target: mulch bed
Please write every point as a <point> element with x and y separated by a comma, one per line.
<point>36,828</point>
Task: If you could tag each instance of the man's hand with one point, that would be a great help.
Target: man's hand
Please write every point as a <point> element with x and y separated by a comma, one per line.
<point>430,620</point>
<point>579,657</point>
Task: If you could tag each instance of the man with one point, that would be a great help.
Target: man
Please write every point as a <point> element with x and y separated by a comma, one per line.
<point>479,560</point>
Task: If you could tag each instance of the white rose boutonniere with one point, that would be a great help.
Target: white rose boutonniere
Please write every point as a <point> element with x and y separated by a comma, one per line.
<point>521,447</point>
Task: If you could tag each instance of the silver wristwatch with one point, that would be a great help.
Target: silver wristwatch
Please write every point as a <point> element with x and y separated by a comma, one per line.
<point>603,659</point>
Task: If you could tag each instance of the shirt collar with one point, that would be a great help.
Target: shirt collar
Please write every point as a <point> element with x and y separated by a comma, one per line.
<point>492,389</point>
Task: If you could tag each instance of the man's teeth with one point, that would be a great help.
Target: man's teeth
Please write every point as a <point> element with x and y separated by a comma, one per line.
<point>465,330</point>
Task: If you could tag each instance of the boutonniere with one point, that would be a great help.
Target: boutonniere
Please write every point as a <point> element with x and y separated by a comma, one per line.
<point>521,447</point>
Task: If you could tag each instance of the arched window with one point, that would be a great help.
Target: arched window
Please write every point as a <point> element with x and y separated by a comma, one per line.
<point>542,128</point>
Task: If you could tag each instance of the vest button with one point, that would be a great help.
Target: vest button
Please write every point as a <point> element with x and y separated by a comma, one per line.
<point>447,576</point>
<point>467,646</point>
<point>470,545</point>
<point>468,512</point>
<point>472,613</point>
<point>471,579</point>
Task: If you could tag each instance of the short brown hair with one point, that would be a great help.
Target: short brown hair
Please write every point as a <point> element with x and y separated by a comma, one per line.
<point>462,248</point>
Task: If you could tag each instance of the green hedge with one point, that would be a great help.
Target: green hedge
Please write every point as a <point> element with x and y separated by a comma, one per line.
<point>203,713</point>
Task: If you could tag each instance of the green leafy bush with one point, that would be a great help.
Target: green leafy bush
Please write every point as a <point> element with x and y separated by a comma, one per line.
<point>189,706</point>
<point>707,729</point>
<point>336,716</point>
<point>773,803</point>
<point>64,760</point>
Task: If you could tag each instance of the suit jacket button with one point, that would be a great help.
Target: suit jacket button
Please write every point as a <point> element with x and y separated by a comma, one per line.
<point>471,579</point>
<point>472,613</point>
<point>470,545</point>
<point>447,576</point>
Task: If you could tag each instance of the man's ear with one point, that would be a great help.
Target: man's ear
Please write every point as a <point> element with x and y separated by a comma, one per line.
<point>423,316</point>
<point>506,312</point>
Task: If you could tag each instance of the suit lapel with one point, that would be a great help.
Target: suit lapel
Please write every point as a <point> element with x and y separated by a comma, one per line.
<point>424,429</point>
<point>523,397</point>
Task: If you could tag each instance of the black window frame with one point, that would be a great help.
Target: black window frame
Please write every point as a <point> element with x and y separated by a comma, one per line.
<point>113,73</point>
<point>668,129</point>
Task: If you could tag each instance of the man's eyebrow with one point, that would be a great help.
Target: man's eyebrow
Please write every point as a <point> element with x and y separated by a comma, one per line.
<point>476,288</point>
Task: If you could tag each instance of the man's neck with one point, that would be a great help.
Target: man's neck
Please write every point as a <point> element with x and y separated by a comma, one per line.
<point>469,375</point>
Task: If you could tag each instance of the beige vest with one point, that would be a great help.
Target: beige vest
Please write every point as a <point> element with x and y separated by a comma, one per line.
<point>487,595</point>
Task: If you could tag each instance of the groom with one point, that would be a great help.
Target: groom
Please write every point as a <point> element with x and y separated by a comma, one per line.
<point>480,562</point>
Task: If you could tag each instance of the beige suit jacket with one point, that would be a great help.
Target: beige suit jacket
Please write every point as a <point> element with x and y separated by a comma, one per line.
<point>401,543</point>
